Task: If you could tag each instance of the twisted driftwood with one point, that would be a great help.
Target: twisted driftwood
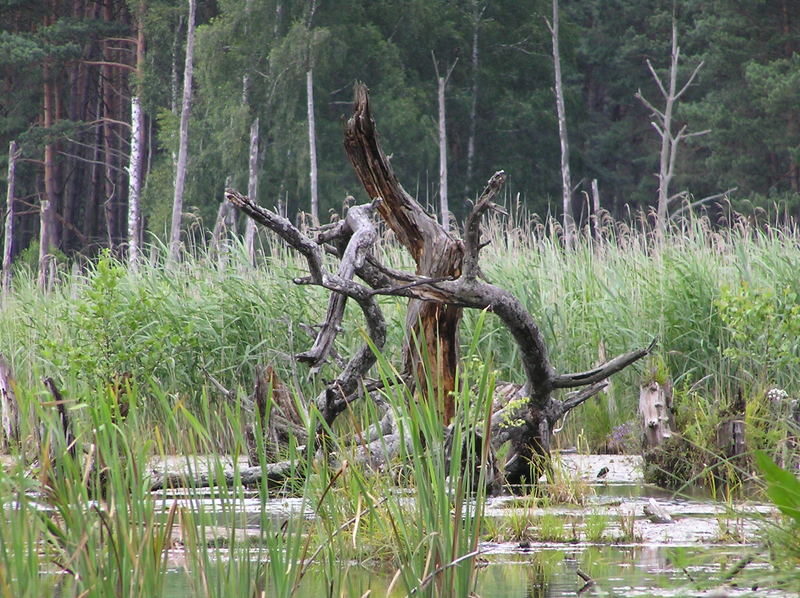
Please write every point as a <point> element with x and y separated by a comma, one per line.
<point>447,279</point>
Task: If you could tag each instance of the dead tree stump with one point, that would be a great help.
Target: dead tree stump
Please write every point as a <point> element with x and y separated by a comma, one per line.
<point>9,408</point>
<point>655,409</point>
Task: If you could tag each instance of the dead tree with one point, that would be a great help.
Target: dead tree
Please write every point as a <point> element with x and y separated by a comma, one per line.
<point>447,279</point>
<point>662,122</point>
<point>183,142</point>
<point>8,227</point>
<point>566,181</point>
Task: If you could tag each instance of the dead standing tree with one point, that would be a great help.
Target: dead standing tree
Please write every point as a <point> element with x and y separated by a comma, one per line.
<point>447,279</point>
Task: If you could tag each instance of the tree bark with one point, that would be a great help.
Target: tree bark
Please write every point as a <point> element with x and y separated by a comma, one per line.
<point>183,141</point>
<point>655,409</point>
<point>135,183</point>
<point>312,148</point>
<point>598,233</point>
<point>8,229</point>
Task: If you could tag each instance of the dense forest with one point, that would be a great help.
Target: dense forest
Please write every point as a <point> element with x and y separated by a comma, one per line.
<point>88,83</point>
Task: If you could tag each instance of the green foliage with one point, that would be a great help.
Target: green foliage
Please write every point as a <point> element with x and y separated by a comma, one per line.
<point>763,322</point>
<point>783,487</point>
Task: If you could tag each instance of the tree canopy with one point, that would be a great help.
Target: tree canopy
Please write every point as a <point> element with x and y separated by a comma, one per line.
<point>68,74</point>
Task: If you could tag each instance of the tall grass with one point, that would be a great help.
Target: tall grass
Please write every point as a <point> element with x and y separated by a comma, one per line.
<point>723,304</point>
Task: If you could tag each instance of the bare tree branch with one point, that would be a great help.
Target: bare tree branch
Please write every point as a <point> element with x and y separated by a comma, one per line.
<point>601,372</point>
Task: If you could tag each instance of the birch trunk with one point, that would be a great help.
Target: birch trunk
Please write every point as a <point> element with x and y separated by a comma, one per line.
<point>312,148</point>
<point>183,141</point>
<point>8,231</point>
<point>137,150</point>
<point>252,192</point>
<point>566,180</point>
<point>135,181</point>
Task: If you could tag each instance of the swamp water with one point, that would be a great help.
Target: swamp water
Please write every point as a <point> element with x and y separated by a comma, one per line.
<point>709,550</point>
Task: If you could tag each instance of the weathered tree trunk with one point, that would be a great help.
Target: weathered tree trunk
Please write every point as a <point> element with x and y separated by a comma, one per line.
<point>434,251</point>
<point>441,85</point>
<point>183,141</point>
<point>8,229</point>
<point>252,192</point>
<point>9,408</point>
<point>566,179</point>
<point>312,148</point>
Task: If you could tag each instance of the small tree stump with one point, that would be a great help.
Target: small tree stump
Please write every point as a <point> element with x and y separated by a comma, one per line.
<point>9,408</point>
<point>655,408</point>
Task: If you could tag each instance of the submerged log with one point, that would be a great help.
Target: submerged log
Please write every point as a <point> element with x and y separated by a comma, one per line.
<point>272,475</point>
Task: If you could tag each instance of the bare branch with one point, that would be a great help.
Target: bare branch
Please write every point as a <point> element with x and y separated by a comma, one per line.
<point>657,78</point>
<point>582,396</point>
<point>689,81</point>
<point>359,223</point>
<point>700,202</point>
<point>472,230</point>
<point>601,372</point>
<point>283,228</point>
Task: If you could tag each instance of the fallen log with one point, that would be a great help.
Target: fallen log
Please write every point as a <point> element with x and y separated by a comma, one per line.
<point>272,475</point>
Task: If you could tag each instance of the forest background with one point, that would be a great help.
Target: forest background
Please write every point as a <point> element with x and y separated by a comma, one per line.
<point>71,68</point>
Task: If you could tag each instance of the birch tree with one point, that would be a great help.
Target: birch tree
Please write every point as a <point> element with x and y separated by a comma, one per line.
<point>8,230</point>
<point>252,191</point>
<point>137,149</point>
<point>183,140</point>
